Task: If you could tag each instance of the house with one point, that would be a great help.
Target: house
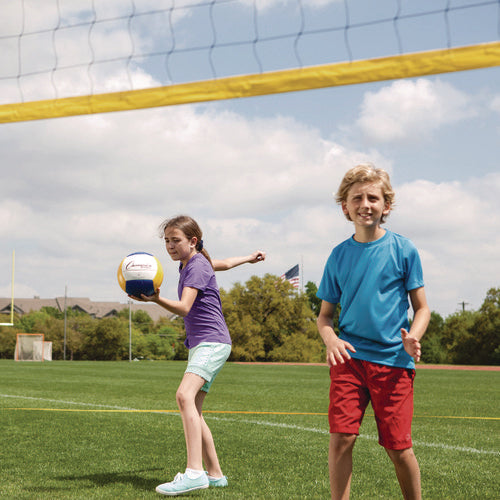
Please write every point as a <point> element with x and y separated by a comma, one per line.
<point>95,309</point>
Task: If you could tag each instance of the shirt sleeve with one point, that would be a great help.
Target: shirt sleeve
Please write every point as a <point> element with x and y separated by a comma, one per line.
<point>329,289</point>
<point>414,273</point>
<point>198,274</point>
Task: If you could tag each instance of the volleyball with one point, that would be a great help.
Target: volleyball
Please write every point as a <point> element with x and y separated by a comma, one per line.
<point>140,273</point>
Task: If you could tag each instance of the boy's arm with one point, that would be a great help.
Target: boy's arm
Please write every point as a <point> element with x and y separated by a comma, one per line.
<point>336,348</point>
<point>421,317</point>
<point>230,262</point>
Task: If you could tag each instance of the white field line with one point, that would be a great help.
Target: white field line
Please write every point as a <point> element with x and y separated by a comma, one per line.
<point>462,449</point>
<point>60,401</point>
<point>363,436</point>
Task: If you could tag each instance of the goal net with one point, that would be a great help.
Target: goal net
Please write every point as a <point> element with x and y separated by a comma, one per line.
<point>32,347</point>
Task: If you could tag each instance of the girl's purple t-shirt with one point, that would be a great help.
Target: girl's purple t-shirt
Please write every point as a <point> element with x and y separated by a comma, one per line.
<point>205,321</point>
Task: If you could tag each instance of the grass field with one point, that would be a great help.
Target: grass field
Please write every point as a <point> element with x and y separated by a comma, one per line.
<point>104,430</point>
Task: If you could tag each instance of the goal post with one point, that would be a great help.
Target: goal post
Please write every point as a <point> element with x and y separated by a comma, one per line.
<point>47,351</point>
<point>32,347</point>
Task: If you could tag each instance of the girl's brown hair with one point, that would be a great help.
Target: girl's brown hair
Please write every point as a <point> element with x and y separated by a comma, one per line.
<point>190,228</point>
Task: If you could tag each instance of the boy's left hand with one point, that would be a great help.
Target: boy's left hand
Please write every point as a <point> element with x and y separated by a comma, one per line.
<point>411,344</point>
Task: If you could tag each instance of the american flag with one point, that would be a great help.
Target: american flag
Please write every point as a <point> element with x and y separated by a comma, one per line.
<point>292,275</point>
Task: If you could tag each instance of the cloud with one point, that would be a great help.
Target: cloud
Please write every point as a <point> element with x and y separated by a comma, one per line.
<point>452,225</point>
<point>86,191</point>
<point>80,193</point>
<point>495,104</point>
<point>411,110</point>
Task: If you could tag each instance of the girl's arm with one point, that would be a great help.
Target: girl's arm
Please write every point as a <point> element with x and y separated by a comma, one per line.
<point>180,307</point>
<point>230,262</point>
<point>421,317</point>
<point>336,348</point>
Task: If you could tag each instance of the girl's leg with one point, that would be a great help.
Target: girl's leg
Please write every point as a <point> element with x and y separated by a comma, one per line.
<point>407,471</point>
<point>187,393</point>
<point>208,446</point>
<point>340,460</point>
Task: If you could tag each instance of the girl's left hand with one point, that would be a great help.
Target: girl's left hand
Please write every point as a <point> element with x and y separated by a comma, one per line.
<point>257,256</point>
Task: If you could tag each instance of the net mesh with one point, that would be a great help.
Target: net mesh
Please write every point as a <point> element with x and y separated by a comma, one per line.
<point>29,347</point>
<point>64,49</point>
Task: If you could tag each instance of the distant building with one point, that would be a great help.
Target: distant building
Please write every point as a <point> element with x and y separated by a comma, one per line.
<point>95,309</point>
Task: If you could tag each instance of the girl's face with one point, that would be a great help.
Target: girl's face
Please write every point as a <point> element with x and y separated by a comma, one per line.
<point>365,204</point>
<point>179,247</point>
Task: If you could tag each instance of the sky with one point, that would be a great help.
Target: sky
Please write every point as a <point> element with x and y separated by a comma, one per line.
<point>78,194</point>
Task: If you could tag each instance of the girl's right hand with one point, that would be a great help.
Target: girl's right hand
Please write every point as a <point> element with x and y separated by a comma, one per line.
<point>147,298</point>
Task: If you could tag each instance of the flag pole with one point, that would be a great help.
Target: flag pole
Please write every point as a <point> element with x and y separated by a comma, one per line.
<point>302,272</point>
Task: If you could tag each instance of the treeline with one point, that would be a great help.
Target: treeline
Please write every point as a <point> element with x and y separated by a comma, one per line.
<point>268,320</point>
<point>466,337</point>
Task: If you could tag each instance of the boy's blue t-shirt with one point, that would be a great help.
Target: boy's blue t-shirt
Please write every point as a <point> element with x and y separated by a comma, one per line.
<point>371,282</point>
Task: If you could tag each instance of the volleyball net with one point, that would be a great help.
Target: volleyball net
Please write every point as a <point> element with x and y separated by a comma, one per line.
<point>74,57</point>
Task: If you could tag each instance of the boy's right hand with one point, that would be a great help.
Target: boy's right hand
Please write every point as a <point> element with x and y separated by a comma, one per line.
<point>337,352</point>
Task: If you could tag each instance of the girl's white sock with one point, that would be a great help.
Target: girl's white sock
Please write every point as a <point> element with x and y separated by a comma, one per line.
<point>194,474</point>
<point>212,478</point>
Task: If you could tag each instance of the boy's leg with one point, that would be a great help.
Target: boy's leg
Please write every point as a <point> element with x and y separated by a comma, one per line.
<point>408,472</point>
<point>348,400</point>
<point>340,464</point>
<point>186,400</point>
<point>392,401</point>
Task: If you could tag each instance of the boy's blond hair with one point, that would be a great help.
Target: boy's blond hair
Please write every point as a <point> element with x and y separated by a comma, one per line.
<point>366,173</point>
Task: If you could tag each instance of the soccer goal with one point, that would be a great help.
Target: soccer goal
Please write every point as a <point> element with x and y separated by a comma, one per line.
<point>33,347</point>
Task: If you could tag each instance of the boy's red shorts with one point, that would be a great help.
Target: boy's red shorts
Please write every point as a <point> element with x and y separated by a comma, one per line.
<point>355,383</point>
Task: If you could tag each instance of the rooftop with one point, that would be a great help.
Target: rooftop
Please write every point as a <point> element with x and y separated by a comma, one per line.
<point>95,309</point>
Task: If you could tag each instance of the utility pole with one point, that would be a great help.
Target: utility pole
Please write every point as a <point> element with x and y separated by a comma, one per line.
<point>129,330</point>
<point>463,304</point>
<point>65,320</point>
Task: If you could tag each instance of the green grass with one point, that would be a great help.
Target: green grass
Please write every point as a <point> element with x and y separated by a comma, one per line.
<point>64,436</point>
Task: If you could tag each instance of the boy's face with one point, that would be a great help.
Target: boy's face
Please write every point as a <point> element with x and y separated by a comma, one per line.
<point>365,204</point>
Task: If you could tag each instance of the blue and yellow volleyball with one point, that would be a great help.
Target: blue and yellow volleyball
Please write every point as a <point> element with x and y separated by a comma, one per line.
<point>140,273</point>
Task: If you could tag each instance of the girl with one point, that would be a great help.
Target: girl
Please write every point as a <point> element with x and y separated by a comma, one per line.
<point>208,341</point>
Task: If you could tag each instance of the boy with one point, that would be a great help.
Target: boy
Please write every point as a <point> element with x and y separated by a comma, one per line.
<point>371,275</point>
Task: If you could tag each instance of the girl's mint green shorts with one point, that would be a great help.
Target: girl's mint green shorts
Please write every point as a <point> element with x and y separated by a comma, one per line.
<point>207,360</point>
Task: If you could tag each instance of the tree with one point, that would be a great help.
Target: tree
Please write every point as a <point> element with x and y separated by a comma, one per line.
<point>142,320</point>
<point>269,320</point>
<point>7,342</point>
<point>299,348</point>
<point>492,301</point>
<point>314,301</point>
<point>152,346</point>
<point>108,340</point>
<point>457,337</point>
<point>433,350</point>
<point>79,327</point>
<point>248,344</point>
<point>473,337</point>
<point>487,329</point>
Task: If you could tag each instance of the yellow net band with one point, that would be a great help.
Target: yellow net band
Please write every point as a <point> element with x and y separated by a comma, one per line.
<point>313,77</point>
